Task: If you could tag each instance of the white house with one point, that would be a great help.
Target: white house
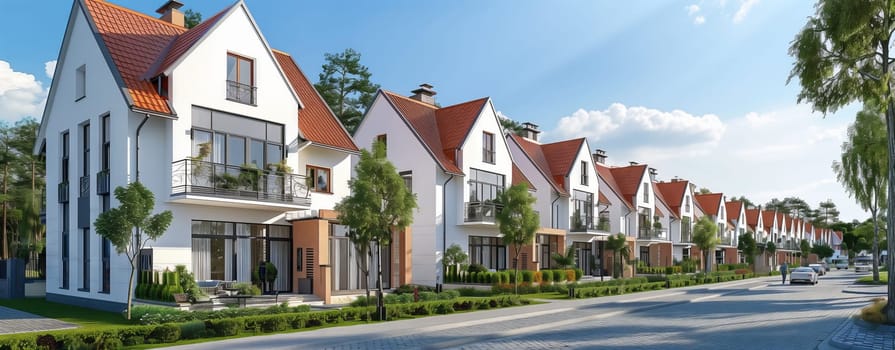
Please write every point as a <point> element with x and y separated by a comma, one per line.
<point>736,217</point>
<point>712,205</point>
<point>572,204</point>
<point>457,162</point>
<point>678,194</point>
<point>210,120</point>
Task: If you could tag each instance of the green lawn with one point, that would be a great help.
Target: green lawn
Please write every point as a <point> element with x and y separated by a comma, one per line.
<point>83,317</point>
<point>883,277</point>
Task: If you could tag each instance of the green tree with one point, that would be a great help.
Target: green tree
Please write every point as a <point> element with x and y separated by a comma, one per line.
<point>777,205</point>
<point>864,168</point>
<point>705,237</point>
<point>746,244</point>
<point>567,260</point>
<point>703,190</point>
<point>379,203</point>
<point>517,221</point>
<point>771,248</point>
<point>748,203</point>
<point>510,125</point>
<point>822,250</point>
<point>345,86</point>
<point>130,225</point>
<point>804,248</point>
<point>618,245</point>
<point>827,214</point>
<point>455,255</point>
<point>191,18</point>
<point>21,190</point>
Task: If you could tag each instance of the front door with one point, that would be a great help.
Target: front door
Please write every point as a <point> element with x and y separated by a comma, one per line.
<point>584,258</point>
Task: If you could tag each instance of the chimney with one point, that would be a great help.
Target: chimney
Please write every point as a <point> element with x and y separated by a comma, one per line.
<point>675,179</point>
<point>653,174</point>
<point>633,163</point>
<point>599,156</point>
<point>170,12</point>
<point>530,131</point>
<point>424,94</point>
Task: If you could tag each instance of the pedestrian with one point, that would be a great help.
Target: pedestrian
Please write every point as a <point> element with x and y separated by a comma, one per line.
<point>783,271</point>
<point>262,275</point>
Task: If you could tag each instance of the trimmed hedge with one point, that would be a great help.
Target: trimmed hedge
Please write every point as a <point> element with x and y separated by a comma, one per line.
<point>118,337</point>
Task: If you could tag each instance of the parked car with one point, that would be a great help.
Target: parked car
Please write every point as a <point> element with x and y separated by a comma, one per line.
<point>863,264</point>
<point>840,264</point>
<point>803,275</point>
<point>819,268</point>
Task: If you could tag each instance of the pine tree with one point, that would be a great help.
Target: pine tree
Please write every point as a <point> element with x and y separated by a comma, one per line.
<point>345,86</point>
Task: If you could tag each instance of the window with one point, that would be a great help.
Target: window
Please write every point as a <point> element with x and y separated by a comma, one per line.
<point>81,83</point>
<point>488,147</point>
<point>233,251</point>
<point>484,185</point>
<point>582,210</point>
<point>687,204</point>
<point>646,192</point>
<point>240,79</point>
<point>85,260</point>
<point>225,138</point>
<point>407,176</point>
<point>488,251</point>
<point>106,143</point>
<point>65,147</point>
<point>383,139</point>
<point>685,254</point>
<point>319,179</point>
<point>584,176</point>
<point>65,213</point>
<point>685,229</point>
<point>547,246</point>
<point>85,160</point>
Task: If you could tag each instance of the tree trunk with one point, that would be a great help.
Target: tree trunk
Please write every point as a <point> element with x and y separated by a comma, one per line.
<point>380,310</point>
<point>5,200</point>
<point>130,286</point>
<point>890,217</point>
<point>875,245</point>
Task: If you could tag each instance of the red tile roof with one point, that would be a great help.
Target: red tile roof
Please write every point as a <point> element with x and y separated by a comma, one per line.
<point>781,220</point>
<point>674,192</point>
<point>519,178</point>
<point>733,210</point>
<point>185,41</point>
<point>316,121</point>
<point>442,130</point>
<point>605,173</point>
<point>628,179</point>
<point>659,212</point>
<point>752,218</point>
<point>134,42</point>
<point>554,160</point>
<point>661,198</point>
<point>709,202</point>
<point>603,200</point>
<point>767,218</point>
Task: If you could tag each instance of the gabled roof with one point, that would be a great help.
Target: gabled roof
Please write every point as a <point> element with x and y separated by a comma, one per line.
<point>767,217</point>
<point>603,200</point>
<point>553,160</point>
<point>733,210</point>
<point>674,192</point>
<point>133,42</point>
<point>606,174</point>
<point>661,199</point>
<point>709,202</point>
<point>628,179</point>
<point>752,218</point>
<point>519,178</point>
<point>316,121</point>
<point>442,130</point>
<point>184,42</point>
<point>781,220</point>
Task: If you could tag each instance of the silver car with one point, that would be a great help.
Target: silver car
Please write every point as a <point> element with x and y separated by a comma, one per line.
<point>819,268</point>
<point>803,275</point>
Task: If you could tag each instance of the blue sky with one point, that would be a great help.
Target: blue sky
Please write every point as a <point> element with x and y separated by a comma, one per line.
<point>695,88</point>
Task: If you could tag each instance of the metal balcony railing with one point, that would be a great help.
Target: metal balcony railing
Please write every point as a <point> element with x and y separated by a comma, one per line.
<point>242,93</point>
<point>651,233</point>
<point>480,212</point>
<point>686,237</point>
<point>102,182</point>
<point>190,176</point>
<point>84,186</point>
<point>62,191</point>
<point>580,223</point>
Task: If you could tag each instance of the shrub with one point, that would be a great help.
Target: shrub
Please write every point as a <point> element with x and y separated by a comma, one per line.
<point>873,313</point>
<point>537,277</point>
<point>224,327</point>
<point>166,333</point>
<point>578,274</point>
<point>742,271</point>
<point>477,268</point>
<point>570,275</point>
<point>192,330</point>
<point>363,301</point>
<point>558,276</point>
<point>527,276</point>
<point>247,288</point>
<point>546,276</point>
<point>428,296</point>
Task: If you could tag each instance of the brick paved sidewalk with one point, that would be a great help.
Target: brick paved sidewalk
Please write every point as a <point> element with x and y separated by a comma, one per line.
<point>856,334</point>
<point>15,321</point>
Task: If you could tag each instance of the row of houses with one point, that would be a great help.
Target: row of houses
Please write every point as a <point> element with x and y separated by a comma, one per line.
<point>231,136</point>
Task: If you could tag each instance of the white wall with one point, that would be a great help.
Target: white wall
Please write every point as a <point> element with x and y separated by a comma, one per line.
<point>102,97</point>
<point>406,152</point>
<point>544,195</point>
<point>339,164</point>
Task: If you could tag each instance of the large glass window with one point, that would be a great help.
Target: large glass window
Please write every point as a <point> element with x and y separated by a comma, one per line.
<point>547,245</point>
<point>484,185</point>
<point>240,79</point>
<point>85,260</point>
<point>582,210</point>
<point>225,138</point>
<point>230,251</point>
<point>344,260</point>
<point>488,251</point>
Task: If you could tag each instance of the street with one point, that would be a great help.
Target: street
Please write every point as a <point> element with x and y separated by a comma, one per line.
<point>752,314</point>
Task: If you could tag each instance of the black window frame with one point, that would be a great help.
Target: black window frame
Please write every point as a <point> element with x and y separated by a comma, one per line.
<point>496,248</point>
<point>585,176</point>
<point>488,153</point>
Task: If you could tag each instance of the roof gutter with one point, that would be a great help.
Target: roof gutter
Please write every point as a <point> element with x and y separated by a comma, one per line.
<point>440,278</point>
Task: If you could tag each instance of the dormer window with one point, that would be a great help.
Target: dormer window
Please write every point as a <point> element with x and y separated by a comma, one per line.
<point>240,79</point>
<point>160,83</point>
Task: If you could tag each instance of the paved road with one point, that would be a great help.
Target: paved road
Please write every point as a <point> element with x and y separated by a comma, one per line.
<point>752,314</point>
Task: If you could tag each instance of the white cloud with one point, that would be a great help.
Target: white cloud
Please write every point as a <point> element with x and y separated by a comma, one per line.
<point>50,68</point>
<point>762,155</point>
<point>699,20</point>
<point>21,95</point>
<point>743,11</point>
<point>692,9</point>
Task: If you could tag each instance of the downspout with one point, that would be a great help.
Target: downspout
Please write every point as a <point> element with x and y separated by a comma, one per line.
<point>552,213</point>
<point>443,226</point>
<point>137,140</point>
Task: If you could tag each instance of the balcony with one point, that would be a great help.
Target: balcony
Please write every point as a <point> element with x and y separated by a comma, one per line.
<point>652,234</point>
<point>480,213</point>
<point>195,181</point>
<point>241,93</point>
<point>102,182</point>
<point>582,223</point>
<point>62,191</point>
<point>726,239</point>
